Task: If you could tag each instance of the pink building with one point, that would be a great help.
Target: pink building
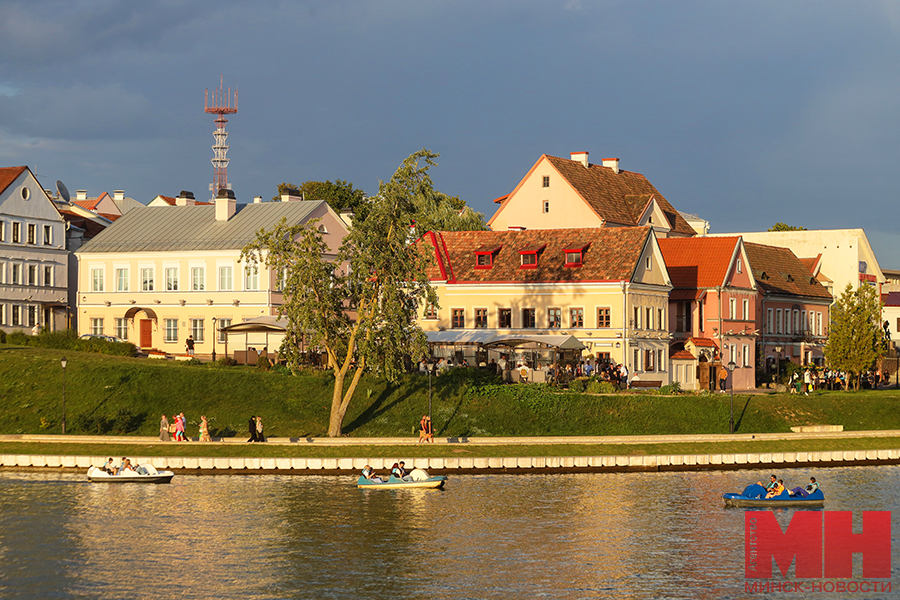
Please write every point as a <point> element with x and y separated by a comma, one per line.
<point>712,307</point>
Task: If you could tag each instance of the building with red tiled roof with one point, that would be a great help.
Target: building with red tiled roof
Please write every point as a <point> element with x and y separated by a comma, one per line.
<point>713,298</point>
<point>33,255</point>
<point>793,307</point>
<point>559,193</point>
<point>607,287</point>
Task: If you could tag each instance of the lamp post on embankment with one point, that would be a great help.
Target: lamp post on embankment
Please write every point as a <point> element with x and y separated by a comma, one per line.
<point>731,367</point>
<point>63,362</point>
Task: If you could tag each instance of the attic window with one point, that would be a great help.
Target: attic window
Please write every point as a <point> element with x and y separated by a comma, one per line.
<point>787,277</point>
<point>575,255</point>
<point>546,181</point>
<point>529,256</point>
<point>484,256</point>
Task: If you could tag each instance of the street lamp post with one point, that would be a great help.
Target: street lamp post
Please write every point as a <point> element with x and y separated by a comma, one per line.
<point>215,335</point>
<point>63,362</point>
<point>777,363</point>
<point>731,367</point>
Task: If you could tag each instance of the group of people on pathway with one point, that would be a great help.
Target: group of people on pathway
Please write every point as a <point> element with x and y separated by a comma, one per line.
<point>775,487</point>
<point>175,431</point>
<point>426,430</point>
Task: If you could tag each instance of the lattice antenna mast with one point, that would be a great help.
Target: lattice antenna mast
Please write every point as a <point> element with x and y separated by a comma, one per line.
<point>221,106</point>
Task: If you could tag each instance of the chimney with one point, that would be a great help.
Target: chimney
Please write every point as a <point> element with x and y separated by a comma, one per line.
<point>81,194</point>
<point>118,194</point>
<point>257,199</point>
<point>291,195</point>
<point>185,198</point>
<point>225,205</point>
<point>612,163</point>
<point>581,157</point>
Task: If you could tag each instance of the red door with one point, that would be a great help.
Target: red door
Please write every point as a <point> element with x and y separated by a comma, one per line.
<point>146,333</point>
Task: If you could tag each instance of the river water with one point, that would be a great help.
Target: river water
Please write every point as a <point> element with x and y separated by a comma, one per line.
<point>641,535</point>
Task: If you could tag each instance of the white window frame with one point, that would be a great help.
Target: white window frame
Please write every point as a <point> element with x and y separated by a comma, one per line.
<point>198,278</point>
<point>48,275</point>
<point>122,328</point>
<point>97,277</point>
<point>221,324</point>
<point>732,308</point>
<point>745,309</point>
<point>225,273</point>
<point>148,278</point>
<point>251,278</point>
<point>97,325</point>
<point>770,320</point>
<point>122,278</point>
<point>170,331</point>
<point>198,329</point>
<point>745,356</point>
<point>171,277</point>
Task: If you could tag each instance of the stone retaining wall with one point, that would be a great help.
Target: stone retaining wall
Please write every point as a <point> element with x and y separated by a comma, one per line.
<point>327,466</point>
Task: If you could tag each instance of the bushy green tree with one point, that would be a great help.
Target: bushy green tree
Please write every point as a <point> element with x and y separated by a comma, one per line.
<point>362,308</point>
<point>339,195</point>
<point>785,227</point>
<point>855,335</point>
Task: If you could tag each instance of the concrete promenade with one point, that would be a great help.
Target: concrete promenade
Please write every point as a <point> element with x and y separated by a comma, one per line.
<point>557,463</point>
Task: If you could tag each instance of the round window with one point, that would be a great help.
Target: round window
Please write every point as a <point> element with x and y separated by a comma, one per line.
<point>26,193</point>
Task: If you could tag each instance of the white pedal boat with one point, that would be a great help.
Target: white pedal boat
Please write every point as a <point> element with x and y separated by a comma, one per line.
<point>98,475</point>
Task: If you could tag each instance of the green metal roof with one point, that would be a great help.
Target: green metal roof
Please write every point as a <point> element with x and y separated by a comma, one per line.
<point>191,228</point>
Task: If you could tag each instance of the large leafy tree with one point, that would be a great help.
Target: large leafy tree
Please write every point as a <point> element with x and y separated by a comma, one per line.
<point>362,308</point>
<point>856,334</point>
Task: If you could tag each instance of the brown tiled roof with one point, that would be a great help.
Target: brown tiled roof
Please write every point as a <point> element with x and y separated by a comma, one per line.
<point>90,227</point>
<point>891,299</point>
<point>616,197</point>
<point>698,263</point>
<point>682,355</point>
<point>704,342</point>
<point>786,274</point>
<point>612,254</point>
<point>8,175</point>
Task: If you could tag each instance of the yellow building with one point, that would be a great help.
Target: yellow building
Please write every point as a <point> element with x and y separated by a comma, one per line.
<point>160,274</point>
<point>607,287</point>
<point>559,193</point>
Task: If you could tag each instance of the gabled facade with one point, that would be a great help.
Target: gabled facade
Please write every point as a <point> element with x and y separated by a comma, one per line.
<point>562,193</point>
<point>159,274</point>
<point>608,287</point>
<point>714,298</point>
<point>33,256</point>
<point>793,308</point>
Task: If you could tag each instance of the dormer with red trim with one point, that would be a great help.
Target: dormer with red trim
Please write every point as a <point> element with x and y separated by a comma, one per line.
<point>484,256</point>
<point>529,255</point>
<point>574,256</point>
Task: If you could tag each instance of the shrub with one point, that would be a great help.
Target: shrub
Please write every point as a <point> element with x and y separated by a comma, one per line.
<point>263,363</point>
<point>460,376</point>
<point>226,361</point>
<point>2,337</point>
<point>576,385</point>
<point>672,388</point>
<point>282,369</point>
<point>596,386</point>
<point>18,338</point>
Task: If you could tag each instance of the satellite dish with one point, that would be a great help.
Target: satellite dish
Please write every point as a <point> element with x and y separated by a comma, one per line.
<point>62,191</point>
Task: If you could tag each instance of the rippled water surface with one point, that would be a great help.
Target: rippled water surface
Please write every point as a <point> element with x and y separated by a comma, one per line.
<point>657,535</point>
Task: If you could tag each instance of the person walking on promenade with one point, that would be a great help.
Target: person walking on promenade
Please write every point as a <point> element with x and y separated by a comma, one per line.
<point>189,345</point>
<point>423,429</point>
<point>164,430</point>
<point>429,431</point>
<point>204,430</point>
<point>259,430</point>
<point>723,377</point>
<point>179,428</point>
<point>251,427</point>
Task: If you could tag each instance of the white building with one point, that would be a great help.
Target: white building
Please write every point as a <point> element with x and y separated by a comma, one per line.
<point>33,256</point>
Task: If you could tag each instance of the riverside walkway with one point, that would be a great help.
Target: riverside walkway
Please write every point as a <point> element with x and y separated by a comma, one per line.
<point>559,462</point>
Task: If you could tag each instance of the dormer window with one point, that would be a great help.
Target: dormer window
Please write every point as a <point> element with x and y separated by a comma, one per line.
<point>575,255</point>
<point>484,256</point>
<point>529,256</point>
<point>546,181</point>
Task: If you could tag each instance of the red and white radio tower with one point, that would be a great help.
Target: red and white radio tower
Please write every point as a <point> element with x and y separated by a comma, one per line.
<point>221,105</point>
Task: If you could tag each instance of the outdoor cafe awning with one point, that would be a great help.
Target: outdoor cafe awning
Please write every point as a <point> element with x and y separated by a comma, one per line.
<point>494,340</point>
<point>258,325</point>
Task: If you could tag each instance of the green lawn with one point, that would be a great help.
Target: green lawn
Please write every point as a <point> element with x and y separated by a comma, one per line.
<point>116,395</point>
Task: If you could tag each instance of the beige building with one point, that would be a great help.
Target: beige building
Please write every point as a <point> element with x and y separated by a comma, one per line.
<point>607,287</point>
<point>560,193</point>
<point>160,274</point>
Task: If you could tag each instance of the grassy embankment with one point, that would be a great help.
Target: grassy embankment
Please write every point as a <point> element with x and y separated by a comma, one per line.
<point>110,395</point>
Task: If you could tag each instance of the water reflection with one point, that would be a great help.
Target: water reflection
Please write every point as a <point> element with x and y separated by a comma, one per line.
<point>558,536</point>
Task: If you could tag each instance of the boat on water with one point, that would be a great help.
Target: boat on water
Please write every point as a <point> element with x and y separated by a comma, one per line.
<point>98,475</point>
<point>754,496</point>
<point>418,478</point>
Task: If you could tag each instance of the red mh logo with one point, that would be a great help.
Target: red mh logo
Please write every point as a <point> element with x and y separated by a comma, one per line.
<point>823,544</point>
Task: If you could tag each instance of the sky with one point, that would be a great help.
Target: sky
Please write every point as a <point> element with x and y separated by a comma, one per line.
<point>745,113</point>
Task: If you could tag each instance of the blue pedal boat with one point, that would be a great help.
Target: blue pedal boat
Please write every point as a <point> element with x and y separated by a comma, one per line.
<point>417,479</point>
<point>754,496</point>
